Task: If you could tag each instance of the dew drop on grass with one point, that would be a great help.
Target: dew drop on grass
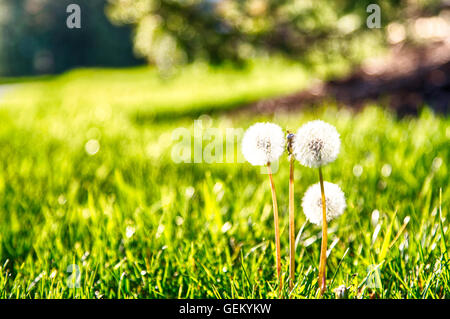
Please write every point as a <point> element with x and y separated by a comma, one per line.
<point>375,233</point>
<point>226,227</point>
<point>86,213</point>
<point>130,231</point>
<point>386,170</point>
<point>61,200</point>
<point>375,217</point>
<point>189,192</point>
<point>434,212</point>
<point>357,170</point>
<point>217,187</point>
<point>85,256</point>
<point>309,241</point>
<point>92,147</point>
<point>159,231</point>
<point>179,220</point>
<point>437,162</point>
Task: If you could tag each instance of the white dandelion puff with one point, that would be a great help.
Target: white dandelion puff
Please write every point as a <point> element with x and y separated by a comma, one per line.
<point>316,144</point>
<point>263,143</point>
<point>334,201</point>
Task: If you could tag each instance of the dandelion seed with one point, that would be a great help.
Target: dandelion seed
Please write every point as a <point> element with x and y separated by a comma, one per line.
<point>312,202</point>
<point>316,144</point>
<point>263,143</point>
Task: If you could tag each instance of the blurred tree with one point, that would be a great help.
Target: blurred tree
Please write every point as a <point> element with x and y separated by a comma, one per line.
<point>168,32</point>
<point>174,31</point>
<point>35,39</point>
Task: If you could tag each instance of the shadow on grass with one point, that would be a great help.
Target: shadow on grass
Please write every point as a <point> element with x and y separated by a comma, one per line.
<point>26,79</point>
<point>145,117</point>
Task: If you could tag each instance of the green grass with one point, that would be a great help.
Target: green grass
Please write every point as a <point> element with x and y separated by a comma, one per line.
<point>139,225</point>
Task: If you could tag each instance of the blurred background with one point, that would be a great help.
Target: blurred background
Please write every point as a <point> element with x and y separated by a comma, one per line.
<point>329,39</point>
<point>34,38</point>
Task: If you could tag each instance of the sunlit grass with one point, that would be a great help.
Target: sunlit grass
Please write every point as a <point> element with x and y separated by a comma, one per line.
<point>140,226</point>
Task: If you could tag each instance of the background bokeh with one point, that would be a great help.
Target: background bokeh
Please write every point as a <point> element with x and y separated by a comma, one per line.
<point>35,40</point>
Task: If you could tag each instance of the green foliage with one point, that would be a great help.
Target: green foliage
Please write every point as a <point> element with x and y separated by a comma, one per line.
<point>140,226</point>
<point>169,32</point>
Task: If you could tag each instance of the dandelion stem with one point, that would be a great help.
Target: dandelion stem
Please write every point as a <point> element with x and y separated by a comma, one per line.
<point>277,231</point>
<point>323,250</point>
<point>291,224</point>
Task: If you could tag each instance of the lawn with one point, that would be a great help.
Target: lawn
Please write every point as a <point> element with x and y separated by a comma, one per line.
<point>92,204</point>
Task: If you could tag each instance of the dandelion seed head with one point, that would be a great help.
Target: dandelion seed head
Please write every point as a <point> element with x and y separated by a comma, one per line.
<point>263,143</point>
<point>316,144</point>
<point>312,202</point>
